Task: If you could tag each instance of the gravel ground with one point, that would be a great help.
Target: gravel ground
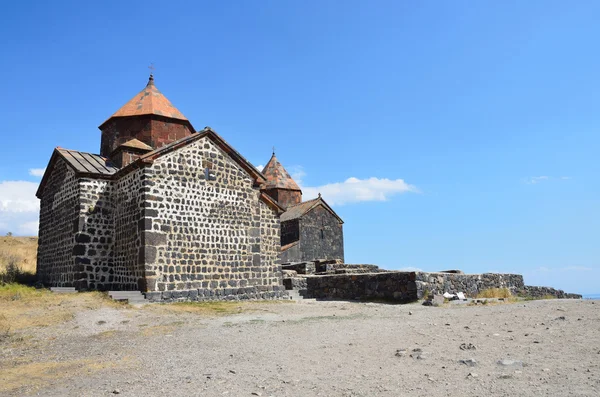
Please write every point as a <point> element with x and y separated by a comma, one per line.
<point>534,348</point>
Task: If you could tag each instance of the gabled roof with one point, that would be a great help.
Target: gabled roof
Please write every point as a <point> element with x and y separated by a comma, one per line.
<point>135,144</point>
<point>298,210</point>
<point>102,168</point>
<point>149,101</point>
<point>206,132</point>
<point>277,176</point>
<point>85,164</point>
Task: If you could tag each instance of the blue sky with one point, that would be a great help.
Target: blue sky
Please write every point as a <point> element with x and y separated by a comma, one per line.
<point>450,134</point>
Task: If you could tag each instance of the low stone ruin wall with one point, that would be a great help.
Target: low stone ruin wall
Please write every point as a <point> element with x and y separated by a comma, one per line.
<point>546,292</point>
<point>345,268</point>
<point>206,294</point>
<point>330,267</point>
<point>393,286</point>
<point>470,284</point>
<point>300,267</point>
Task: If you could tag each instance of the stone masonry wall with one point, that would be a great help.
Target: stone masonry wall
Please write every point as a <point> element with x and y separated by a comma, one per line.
<point>207,238</point>
<point>153,130</point>
<point>94,236</point>
<point>546,292</point>
<point>470,284</point>
<point>394,286</point>
<point>109,240</point>
<point>128,260</point>
<point>58,220</point>
<point>321,236</point>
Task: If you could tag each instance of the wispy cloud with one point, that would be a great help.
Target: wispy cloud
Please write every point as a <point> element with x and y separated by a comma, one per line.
<point>19,207</point>
<point>39,172</point>
<point>297,173</point>
<point>564,269</point>
<point>534,180</point>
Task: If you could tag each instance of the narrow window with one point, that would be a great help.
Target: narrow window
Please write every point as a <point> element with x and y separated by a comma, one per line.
<point>209,173</point>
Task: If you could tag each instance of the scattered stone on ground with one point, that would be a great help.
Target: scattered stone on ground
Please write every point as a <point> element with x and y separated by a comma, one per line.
<point>325,348</point>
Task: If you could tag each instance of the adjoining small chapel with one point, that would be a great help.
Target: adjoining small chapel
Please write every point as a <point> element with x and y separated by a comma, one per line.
<point>310,230</point>
<point>174,212</point>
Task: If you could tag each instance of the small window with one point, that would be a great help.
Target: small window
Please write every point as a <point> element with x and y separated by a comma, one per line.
<point>209,172</point>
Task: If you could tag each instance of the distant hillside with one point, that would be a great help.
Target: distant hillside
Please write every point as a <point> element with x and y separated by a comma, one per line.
<point>19,250</point>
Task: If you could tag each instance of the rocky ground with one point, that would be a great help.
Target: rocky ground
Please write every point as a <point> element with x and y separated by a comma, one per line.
<point>533,348</point>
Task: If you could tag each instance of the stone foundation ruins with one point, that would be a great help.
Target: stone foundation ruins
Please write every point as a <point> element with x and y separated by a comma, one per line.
<point>332,280</point>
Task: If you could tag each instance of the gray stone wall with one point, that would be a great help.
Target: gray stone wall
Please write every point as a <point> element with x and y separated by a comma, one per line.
<point>59,207</point>
<point>470,284</point>
<point>530,291</point>
<point>109,236</point>
<point>393,286</point>
<point>321,236</point>
<point>129,195</point>
<point>290,231</point>
<point>291,254</point>
<point>208,237</point>
<point>94,235</point>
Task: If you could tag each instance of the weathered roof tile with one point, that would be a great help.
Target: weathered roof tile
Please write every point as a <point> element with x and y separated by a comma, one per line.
<point>149,101</point>
<point>277,176</point>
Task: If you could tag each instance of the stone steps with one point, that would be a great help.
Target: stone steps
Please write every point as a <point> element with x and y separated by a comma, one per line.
<point>132,297</point>
<point>63,290</point>
<point>296,295</point>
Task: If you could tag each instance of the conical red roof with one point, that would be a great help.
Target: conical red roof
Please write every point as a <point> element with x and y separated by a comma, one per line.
<point>277,176</point>
<point>149,101</point>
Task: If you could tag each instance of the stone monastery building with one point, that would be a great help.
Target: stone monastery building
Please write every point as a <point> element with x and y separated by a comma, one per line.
<point>167,210</point>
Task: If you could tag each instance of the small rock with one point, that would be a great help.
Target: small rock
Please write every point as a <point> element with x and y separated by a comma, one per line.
<point>561,318</point>
<point>232,371</point>
<point>254,393</point>
<point>116,391</point>
<point>546,370</point>
<point>469,346</point>
<point>401,352</point>
<point>470,362</point>
<point>510,363</point>
<point>410,313</point>
<point>418,354</point>
<point>472,375</point>
<point>505,376</point>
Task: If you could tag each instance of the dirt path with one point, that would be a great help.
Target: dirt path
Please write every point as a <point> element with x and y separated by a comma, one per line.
<point>548,348</point>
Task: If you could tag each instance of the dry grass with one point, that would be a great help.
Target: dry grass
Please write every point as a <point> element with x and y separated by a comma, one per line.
<point>215,308</point>
<point>18,257</point>
<point>21,250</point>
<point>22,307</point>
<point>494,293</point>
<point>16,375</point>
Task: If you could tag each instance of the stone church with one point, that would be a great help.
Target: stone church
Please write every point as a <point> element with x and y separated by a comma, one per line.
<point>310,230</point>
<point>162,209</point>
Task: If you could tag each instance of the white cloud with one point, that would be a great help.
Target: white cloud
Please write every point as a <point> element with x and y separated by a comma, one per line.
<point>39,172</point>
<point>410,269</point>
<point>354,190</point>
<point>534,180</point>
<point>297,173</point>
<point>260,167</point>
<point>29,228</point>
<point>19,207</point>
